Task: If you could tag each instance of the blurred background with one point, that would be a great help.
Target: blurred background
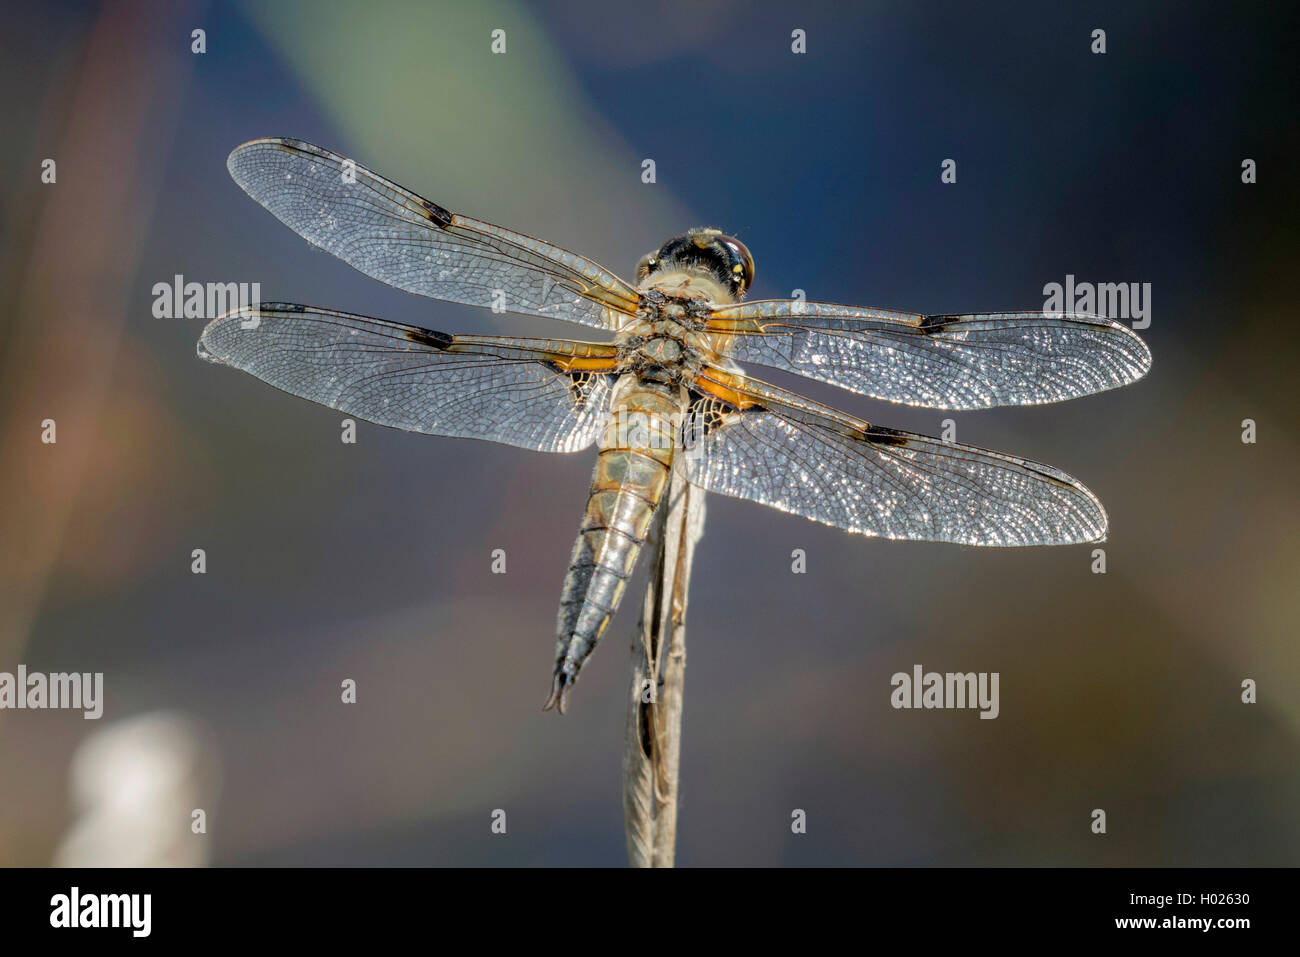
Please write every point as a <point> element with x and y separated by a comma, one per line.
<point>372,561</point>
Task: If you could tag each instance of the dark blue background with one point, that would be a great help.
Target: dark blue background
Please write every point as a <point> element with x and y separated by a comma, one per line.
<point>326,561</point>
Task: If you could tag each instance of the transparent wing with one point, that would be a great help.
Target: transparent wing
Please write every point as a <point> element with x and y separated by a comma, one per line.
<point>774,447</point>
<point>400,238</point>
<point>551,395</point>
<point>946,362</point>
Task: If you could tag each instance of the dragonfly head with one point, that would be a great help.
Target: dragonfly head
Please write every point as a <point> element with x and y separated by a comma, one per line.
<point>704,253</point>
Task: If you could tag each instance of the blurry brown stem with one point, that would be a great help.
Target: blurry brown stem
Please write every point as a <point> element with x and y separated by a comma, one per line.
<point>652,747</point>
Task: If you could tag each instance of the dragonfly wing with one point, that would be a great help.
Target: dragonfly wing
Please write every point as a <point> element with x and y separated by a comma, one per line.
<point>550,395</point>
<point>755,441</point>
<point>400,238</point>
<point>945,362</point>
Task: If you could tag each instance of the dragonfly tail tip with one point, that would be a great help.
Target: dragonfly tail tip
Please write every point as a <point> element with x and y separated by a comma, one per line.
<point>559,696</point>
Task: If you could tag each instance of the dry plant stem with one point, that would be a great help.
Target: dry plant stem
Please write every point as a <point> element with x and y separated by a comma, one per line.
<point>652,747</point>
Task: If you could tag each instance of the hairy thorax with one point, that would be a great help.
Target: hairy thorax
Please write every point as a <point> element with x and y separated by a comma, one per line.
<point>666,344</point>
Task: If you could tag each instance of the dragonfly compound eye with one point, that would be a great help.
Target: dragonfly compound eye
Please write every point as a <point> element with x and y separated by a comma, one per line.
<point>740,262</point>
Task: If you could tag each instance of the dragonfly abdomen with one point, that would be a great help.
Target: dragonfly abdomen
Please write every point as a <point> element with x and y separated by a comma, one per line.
<point>632,472</point>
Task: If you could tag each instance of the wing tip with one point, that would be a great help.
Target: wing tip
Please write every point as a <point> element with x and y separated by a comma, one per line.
<point>1140,354</point>
<point>1144,356</point>
<point>287,143</point>
<point>206,345</point>
<point>207,355</point>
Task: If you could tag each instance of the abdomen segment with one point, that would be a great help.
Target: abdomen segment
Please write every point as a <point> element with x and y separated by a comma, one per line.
<point>632,472</point>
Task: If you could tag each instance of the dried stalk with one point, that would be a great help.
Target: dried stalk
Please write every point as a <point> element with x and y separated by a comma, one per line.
<point>652,747</point>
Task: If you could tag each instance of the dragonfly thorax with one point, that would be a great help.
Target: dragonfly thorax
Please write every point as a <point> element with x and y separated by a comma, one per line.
<point>664,349</point>
<point>661,350</point>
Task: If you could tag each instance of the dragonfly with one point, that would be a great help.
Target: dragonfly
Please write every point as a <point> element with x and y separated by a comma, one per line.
<point>666,391</point>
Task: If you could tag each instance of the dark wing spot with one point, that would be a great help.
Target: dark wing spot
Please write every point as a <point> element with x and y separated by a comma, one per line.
<point>704,416</point>
<point>282,307</point>
<point>883,436</point>
<point>932,324</point>
<point>581,384</point>
<point>1054,476</point>
<point>437,214</point>
<point>427,337</point>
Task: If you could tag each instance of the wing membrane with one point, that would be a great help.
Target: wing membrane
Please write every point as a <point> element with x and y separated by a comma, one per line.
<point>780,449</point>
<point>946,362</point>
<point>398,237</point>
<point>550,395</point>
